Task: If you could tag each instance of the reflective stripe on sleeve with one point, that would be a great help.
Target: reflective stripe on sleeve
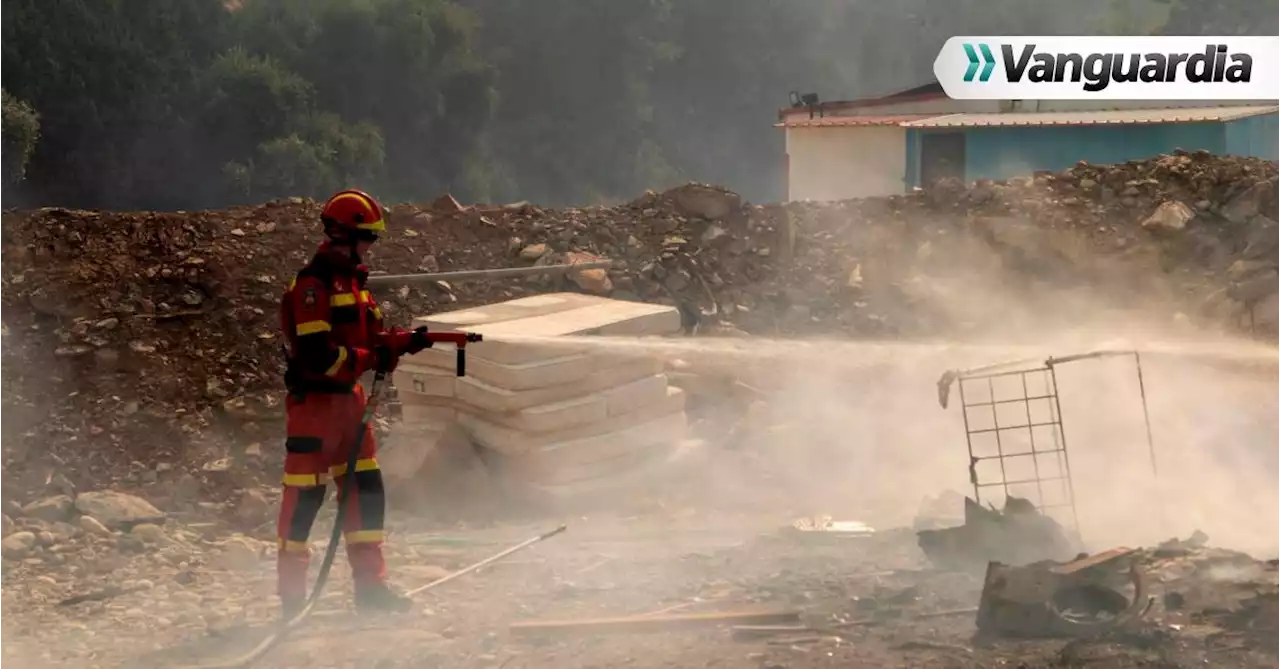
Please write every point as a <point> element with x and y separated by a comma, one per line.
<point>313,327</point>
<point>337,364</point>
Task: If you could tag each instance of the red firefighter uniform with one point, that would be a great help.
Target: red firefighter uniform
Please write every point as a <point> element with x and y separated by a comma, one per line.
<point>334,333</point>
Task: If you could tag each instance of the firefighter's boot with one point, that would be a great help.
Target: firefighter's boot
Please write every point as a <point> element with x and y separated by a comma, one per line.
<point>290,607</point>
<point>379,597</point>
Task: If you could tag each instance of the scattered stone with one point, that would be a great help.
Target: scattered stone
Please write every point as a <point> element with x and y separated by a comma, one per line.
<point>446,204</point>
<point>1170,216</point>
<point>18,544</point>
<point>50,509</point>
<point>115,509</point>
<point>704,201</point>
<point>533,251</point>
<point>595,281</point>
<point>148,533</point>
<point>254,508</point>
<point>239,553</point>
<point>1249,203</point>
<point>429,264</point>
<point>93,526</point>
<point>1262,239</point>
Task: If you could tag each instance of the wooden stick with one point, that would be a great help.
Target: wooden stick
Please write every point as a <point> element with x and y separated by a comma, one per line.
<point>646,622</point>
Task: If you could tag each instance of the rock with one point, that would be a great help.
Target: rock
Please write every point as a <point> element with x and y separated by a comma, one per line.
<point>1247,204</point>
<point>7,527</point>
<point>239,553</point>
<point>254,508</point>
<point>1170,216</point>
<point>533,251</point>
<point>1242,269</point>
<point>93,526</point>
<point>18,544</point>
<point>1266,315</point>
<point>855,277</point>
<point>1262,239</point>
<point>115,509</point>
<point>595,280</point>
<point>57,507</point>
<point>149,533</point>
<point>707,202</point>
<point>429,264</point>
<point>446,204</point>
<point>130,544</point>
<point>712,233</point>
<point>1254,289</point>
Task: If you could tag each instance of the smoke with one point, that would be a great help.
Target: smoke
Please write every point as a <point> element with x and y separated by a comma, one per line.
<point>854,429</point>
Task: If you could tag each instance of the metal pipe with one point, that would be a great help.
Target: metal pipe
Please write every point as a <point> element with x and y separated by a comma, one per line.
<point>1151,445</point>
<point>482,274</point>
<point>493,558</point>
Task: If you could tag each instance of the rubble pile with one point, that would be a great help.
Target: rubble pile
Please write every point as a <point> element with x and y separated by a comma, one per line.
<point>142,347</point>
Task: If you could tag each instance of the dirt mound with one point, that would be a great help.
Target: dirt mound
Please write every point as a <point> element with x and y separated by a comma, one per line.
<point>142,347</point>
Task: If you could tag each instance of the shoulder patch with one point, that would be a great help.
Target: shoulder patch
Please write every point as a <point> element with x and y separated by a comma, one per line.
<point>309,297</point>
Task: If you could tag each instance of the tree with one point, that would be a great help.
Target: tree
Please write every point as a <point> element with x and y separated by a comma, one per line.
<point>1220,17</point>
<point>1134,17</point>
<point>404,66</point>
<point>246,100</point>
<point>725,73</point>
<point>574,121</point>
<point>324,156</point>
<point>111,80</point>
<point>21,126</point>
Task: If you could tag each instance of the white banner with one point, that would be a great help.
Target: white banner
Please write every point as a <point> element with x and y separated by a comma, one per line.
<point>1115,68</point>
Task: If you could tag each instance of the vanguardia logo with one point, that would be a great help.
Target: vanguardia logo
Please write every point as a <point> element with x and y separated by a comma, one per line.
<point>988,62</point>
<point>1215,64</point>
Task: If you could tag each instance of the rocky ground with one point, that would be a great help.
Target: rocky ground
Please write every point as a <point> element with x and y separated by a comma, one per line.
<point>173,592</point>
<point>141,397</point>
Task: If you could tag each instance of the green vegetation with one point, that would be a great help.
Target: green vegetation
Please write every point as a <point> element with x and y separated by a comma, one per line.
<point>199,103</point>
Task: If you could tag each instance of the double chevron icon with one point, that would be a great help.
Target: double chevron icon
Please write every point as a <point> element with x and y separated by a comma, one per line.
<point>988,62</point>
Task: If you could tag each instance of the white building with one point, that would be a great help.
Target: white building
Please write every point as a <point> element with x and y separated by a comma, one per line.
<point>887,145</point>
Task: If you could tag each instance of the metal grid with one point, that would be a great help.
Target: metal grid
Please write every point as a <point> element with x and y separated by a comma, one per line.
<point>1013,422</point>
<point>1037,468</point>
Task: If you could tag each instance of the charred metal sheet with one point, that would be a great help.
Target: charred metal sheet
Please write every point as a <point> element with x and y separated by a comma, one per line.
<point>1105,557</point>
<point>1037,601</point>
<point>1017,535</point>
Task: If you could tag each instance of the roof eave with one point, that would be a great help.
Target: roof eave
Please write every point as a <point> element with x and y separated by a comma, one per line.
<point>862,104</point>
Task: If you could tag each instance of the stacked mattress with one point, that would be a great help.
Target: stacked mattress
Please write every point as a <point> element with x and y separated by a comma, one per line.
<point>547,413</point>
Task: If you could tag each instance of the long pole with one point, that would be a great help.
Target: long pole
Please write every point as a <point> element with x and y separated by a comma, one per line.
<point>493,558</point>
<point>484,274</point>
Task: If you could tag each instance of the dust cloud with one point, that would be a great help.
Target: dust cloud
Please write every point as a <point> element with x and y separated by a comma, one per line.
<point>854,429</point>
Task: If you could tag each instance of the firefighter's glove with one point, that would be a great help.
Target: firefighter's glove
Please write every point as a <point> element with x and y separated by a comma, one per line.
<point>386,359</point>
<point>418,340</point>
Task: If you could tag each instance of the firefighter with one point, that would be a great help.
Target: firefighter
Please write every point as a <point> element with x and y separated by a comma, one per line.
<point>333,334</point>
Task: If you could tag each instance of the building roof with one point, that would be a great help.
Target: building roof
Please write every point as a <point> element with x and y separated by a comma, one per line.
<point>851,121</point>
<point>930,91</point>
<point>1104,117</point>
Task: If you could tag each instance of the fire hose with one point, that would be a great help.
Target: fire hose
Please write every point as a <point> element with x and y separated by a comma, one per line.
<point>460,341</point>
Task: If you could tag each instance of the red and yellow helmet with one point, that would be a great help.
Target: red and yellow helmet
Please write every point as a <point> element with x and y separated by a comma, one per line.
<point>354,213</point>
